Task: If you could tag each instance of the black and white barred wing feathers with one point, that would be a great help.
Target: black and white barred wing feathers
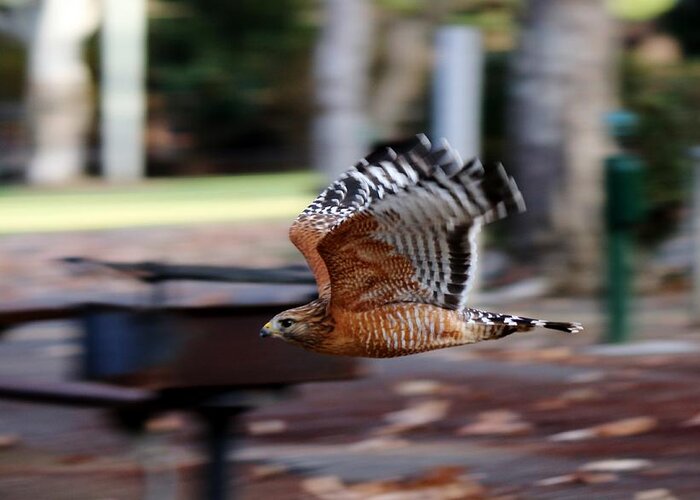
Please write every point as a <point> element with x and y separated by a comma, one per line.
<point>369,180</point>
<point>401,226</point>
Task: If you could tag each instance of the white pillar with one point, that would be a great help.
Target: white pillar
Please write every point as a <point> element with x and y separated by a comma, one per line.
<point>457,88</point>
<point>123,45</point>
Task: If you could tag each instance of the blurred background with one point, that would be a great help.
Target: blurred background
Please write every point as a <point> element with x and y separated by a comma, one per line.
<point>183,133</point>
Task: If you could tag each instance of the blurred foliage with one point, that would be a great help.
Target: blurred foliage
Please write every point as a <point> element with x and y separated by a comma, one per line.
<point>667,99</point>
<point>495,106</point>
<point>405,7</point>
<point>499,19</point>
<point>231,72</point>
<point>639,10</point>
<point>683,22</point>
<point>12,69</point>
<point>446,8</point>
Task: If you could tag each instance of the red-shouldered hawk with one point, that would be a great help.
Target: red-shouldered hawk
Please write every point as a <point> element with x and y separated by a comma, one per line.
<point>392,245</point>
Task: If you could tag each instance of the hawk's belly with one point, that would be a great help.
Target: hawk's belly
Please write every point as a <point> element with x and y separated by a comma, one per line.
<point>401,329</point>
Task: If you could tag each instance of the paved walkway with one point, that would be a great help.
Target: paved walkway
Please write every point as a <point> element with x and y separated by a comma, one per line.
<point>479,419</point>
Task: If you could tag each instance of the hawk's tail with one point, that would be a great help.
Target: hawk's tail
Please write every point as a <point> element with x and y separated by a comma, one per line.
<point>562,326</point>
<point>506,324</point>
<point>525,324</point>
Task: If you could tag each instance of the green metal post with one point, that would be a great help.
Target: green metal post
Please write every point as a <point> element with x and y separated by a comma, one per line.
<point>618,286</point>
<point>624,209</point>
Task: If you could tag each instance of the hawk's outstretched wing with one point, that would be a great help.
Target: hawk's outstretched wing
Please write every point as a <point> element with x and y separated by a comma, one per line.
<point>403,229</point>
<point>355,191</point>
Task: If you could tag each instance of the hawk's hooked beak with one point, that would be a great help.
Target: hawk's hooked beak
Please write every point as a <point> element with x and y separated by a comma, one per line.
<point>266,330</point>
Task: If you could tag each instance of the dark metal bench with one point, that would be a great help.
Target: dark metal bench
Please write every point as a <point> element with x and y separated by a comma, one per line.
<point>140,360</point>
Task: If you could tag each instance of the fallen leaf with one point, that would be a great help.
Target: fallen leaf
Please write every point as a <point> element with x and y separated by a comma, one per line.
<point>627,427</point>
<point>576,435</point>
<point>566,398</point>
<point>618,428</point>
<point>693,421</point>
<point>657,494</point>
<point>419,387</point>
<point>550,404</point>
<point>550,354</point>
<point>580,477</point>
<point>556,480</point>
<point>324,487</point>
<point>9,440</point>
<point>443,483</point>
<point>437,477</point>
<point>596,477</point>
<point>166,423</point>
<point>265,471</point>
<point>617,465</point>
<point>264,427</point>
<point>554,353</point>
<point>498,422</point>
<point>415,415</point>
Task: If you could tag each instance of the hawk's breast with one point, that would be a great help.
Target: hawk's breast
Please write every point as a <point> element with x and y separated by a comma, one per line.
<point>398,330</point>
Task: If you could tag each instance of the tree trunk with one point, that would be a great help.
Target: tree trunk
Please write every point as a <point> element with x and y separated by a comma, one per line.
<point>403,78</point>
<point>340,132</point>
<point>59,90</point>
<point>562,87</point>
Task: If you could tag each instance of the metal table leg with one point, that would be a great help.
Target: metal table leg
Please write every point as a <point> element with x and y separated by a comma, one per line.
<point>218,423</point>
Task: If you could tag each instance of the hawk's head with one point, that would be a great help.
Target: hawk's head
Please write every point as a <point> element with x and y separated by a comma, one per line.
<point>306,325</point>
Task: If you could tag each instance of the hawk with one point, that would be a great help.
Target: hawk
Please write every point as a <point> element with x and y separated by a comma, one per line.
<point>392,246</point>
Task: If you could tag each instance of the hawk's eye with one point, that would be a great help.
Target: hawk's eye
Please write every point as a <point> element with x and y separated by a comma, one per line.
<point>286,323</point>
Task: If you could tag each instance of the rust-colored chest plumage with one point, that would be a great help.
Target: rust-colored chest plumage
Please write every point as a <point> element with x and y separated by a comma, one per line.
<point>399,330</point>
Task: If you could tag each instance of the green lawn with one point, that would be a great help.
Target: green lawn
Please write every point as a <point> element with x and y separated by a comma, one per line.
<point>157,202</point>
